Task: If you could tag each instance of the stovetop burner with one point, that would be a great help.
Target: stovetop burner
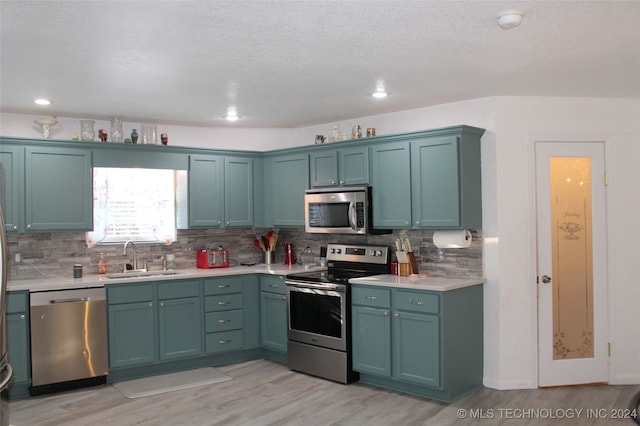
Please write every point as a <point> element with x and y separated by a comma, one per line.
<point>339,277</point>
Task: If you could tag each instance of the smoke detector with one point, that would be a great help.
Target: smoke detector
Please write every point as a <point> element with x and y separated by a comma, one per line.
<point>510,18</point>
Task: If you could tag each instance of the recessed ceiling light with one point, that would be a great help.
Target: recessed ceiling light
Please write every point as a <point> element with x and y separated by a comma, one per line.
<point>381,91</point>
<point>232,115</point>
<point>42,101</point>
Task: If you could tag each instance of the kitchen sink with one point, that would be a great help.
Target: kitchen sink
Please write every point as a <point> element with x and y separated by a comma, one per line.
<point>140,274</point>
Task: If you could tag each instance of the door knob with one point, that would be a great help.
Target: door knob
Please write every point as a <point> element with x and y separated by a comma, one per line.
<point>546,279</point>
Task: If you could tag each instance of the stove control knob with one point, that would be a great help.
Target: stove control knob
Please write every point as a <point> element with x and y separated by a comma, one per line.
<point>378,252</point>
<point>338,251</point>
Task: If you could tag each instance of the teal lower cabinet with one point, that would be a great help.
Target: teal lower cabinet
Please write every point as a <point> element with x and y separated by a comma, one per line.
<point>231,307</point>
<point>273,316</point>
<point>132,326</point>
<point>19,342</point>
<point>179,319</point>
<point>426,343</point>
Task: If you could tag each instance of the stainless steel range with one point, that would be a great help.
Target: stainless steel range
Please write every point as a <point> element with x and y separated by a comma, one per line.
<point>319,310</point>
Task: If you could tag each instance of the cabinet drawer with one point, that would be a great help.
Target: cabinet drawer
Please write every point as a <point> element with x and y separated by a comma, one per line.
<point>224,302</point>
<point>273,284</point>
<point>223,285</point>
<point>224,341</point>
<point>370,296</point>
<point>17,302</point>
<point>129,293</point>
<point>179,289</point>
<point>223,321</point>
<point>419,302</point>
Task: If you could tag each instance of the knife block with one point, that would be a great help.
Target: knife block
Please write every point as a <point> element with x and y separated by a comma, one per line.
<point>412,263</point>
<point>404,269</point>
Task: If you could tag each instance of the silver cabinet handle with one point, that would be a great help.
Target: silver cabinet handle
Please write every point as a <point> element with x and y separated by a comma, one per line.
<point>162,304</point>
<point>223,285</point>
<point>417,222</point>
<point>22,316</point>
<point>371,297</point>
<point>222,321</point>
<point>222,302</point>
<point>151,304</point>
<point>29,226</point>
<point>284,297</point>
<point>341,182</point>
<point>416,302</point>
<point>224,342</point>
<point>228,222</point>
<point>397,315</point>
<point>385,313</point>
<point>15,227</point>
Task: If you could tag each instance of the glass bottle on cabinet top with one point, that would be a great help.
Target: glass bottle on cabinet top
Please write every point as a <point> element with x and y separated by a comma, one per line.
<point>87,132</point>
<point>116,129</point>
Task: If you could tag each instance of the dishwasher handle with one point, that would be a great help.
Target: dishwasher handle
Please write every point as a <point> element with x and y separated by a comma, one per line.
<point>73,300</point>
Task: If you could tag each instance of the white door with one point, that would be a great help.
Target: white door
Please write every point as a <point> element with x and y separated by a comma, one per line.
<point>572,263</point>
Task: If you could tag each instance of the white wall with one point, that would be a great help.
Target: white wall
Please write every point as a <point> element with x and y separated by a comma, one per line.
<point>21,125</point>
<point>512,124</point>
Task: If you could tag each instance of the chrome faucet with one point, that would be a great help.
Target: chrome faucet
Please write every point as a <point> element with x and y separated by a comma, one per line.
<point>135,256</point>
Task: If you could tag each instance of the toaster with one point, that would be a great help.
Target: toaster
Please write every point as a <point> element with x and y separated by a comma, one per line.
<point>212,259</point>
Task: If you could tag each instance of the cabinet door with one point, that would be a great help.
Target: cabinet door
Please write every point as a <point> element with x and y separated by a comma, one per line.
<point>416,348</point>
<point>180,328</point>
<point>290,179</point>
<point>58,189</point>
<point>371,331</point>
<point>18,343</point>
<point>353,166</point>
<point>323,167</point>
<point>273,321</point>
<point>391,185</point>
<point>238,192</point>
<point>206,186</point>
<point>435,183</point>
<point>131,334</point>
<point>11,160</point>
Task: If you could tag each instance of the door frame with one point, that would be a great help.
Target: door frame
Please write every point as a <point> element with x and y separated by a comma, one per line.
<point>531,140</point>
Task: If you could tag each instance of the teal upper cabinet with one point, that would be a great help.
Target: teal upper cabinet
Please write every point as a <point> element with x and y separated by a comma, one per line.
<point>11,160</point>
<point>446,181</point>
<point>428,179</point>
<point>206,186</point>
<point>288,178</point>
<point>220,191</point>
<point>58,189</point>
<point>348,166</point>
<point>391,185</point>
<point>238,192</point>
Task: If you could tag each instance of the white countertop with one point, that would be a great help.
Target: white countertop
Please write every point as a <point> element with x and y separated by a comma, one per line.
<point>418,282</point>
<point>95,280</point>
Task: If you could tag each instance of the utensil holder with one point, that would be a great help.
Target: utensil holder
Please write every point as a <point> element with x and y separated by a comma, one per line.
<point>269,257</point>
<point>404,269</point>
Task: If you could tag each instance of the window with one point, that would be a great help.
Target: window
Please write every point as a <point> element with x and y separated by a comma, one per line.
<point>133,204</point>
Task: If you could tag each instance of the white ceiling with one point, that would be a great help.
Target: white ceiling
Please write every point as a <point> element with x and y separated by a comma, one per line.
<point>301,63</point>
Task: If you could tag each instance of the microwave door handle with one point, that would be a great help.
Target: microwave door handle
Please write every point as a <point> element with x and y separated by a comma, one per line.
<point>352,216</point>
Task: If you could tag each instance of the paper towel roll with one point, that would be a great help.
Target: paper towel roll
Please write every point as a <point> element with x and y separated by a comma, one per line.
<point>452,239</point>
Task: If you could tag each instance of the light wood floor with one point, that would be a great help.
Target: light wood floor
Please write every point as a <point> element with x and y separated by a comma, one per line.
<point>267,393</point>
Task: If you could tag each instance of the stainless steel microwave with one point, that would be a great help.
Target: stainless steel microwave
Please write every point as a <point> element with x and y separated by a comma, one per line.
<point>344,210</point>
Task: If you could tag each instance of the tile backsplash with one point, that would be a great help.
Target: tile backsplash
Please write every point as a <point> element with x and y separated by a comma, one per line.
<point>42,255</point>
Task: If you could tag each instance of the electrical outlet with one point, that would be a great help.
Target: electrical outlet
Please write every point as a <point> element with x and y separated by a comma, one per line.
<point>17,258</point>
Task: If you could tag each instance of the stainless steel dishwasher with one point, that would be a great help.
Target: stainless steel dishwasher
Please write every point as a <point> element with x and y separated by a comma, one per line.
<point>68,338</point>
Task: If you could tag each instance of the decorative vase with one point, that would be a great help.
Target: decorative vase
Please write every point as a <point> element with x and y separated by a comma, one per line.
<point>134,136</point>
<point>149,132</point>
<point>116,129</point>
<point>87,133</point>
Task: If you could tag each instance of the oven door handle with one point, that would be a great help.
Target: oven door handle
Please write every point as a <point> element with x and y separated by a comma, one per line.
<point>313,286</point>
